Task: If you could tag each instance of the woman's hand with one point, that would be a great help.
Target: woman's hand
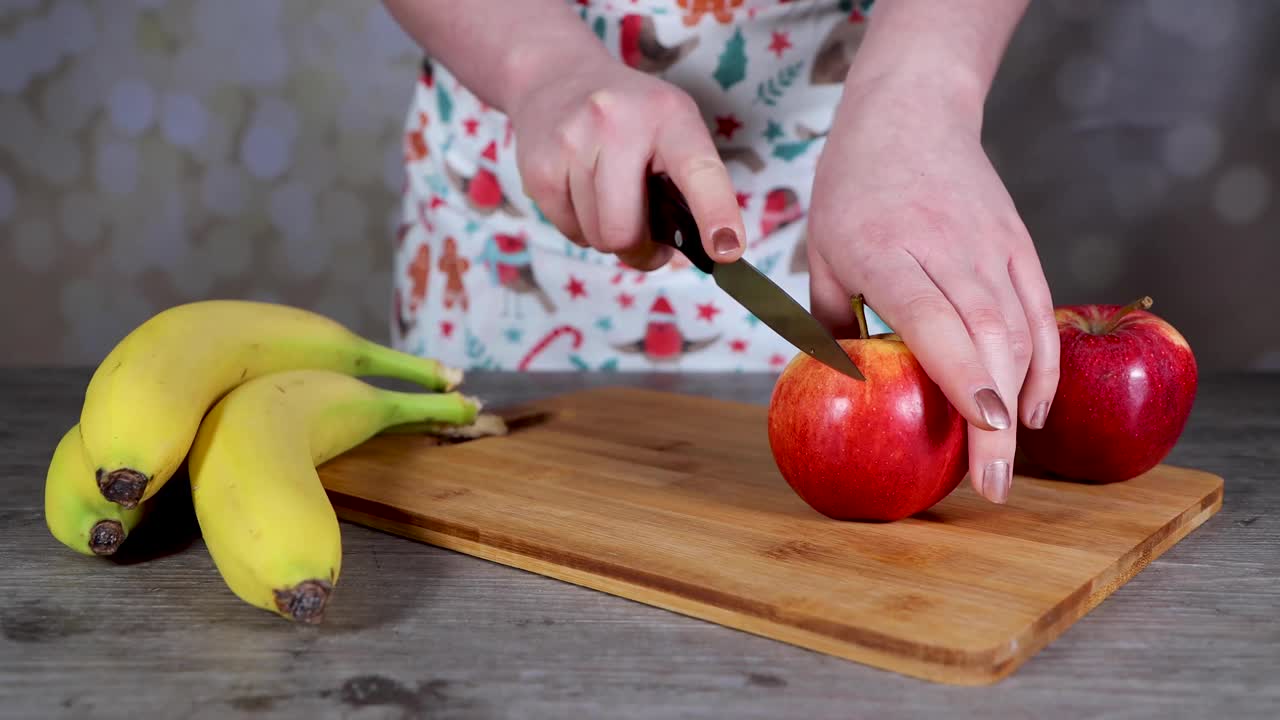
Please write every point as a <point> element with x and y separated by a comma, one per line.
<point>587,127</point>
<point>908,210</point>
<point>586,136</point>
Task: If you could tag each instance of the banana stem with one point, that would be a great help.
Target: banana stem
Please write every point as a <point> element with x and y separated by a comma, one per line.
<point>484,426</point>
<point>436,409</point>
<point>432,374</point>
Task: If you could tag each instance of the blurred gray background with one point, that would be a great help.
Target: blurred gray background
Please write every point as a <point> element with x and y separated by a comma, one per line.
<point>158,151</point>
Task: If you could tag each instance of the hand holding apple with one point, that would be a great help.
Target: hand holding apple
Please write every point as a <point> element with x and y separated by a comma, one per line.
<point>883,449</point>
<point>1128,381</point>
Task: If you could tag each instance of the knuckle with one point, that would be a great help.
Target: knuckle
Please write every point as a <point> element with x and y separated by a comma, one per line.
<point>1049,371</point>
<point>599,102</point>
<point>932,219</point>
<point>615,236</point>
<point>877,237</point>
<point>667,99</point>
<point>568,137</point>
<point>1013,227</point>
<point>1044,321</point>
<point>699,166</point>
<point>924,307</point>
<point>988,326</point>
<point>601,110</point>
<point>540,179</point>
<point>1020,346</point>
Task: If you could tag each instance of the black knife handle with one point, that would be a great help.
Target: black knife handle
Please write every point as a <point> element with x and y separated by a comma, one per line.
<point>671,223</point>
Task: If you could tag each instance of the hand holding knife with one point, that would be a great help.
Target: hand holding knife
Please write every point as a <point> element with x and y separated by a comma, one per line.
<point>672,223</point>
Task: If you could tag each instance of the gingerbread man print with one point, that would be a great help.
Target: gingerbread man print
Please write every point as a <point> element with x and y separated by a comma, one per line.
<point>718,9</point>
<point>453,266</point>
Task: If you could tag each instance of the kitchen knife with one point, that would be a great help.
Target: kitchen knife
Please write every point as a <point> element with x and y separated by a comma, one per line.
<point>671,223</point>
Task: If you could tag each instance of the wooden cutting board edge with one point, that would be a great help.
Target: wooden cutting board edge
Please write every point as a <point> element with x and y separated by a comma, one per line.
<point>970,669</point>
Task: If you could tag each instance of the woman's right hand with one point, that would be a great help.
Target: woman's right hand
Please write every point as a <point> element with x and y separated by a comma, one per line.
<point>586,137</point>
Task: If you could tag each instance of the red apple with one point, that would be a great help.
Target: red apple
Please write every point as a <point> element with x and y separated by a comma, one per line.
<point>1128,380</point>
<point>881,449</point>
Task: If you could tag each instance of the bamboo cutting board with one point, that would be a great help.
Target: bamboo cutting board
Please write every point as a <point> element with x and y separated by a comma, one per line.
<point>608,489</point>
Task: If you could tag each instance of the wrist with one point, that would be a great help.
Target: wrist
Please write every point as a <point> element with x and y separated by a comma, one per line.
<point>942,56</point>
<point>534,64</point>
<point>955,92</point>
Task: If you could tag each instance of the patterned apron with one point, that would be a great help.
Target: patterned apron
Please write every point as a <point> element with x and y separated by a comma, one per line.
<point>482,280</point>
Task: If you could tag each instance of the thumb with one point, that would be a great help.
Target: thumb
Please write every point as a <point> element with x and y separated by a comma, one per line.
<point>694,165</point>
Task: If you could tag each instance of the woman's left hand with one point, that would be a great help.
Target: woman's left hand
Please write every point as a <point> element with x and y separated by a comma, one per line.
<point>908,211</point>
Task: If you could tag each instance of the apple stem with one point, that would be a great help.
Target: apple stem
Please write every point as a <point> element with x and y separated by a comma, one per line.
<point>860,312</point>
<point>1142,303</point>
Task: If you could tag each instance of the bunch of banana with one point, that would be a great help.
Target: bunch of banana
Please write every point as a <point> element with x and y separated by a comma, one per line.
<point>252,396</point>
<point>145,400</point>
<point>263,511</point>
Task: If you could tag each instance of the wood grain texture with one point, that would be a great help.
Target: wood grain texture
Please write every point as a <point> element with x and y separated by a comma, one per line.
<point>417,631</point>
<point>608,490</point>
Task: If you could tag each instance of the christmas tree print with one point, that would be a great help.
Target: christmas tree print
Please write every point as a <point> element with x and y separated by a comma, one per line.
<point>731,68</point>
<point>599,27</point>
<point>437,184</point>
<point>864,6</point>
<point>767,264</point>
<point>609,365</point>
<point>791,150</point>
<point>772,90</point>
<point>478,353</point>
<point>444,103</point>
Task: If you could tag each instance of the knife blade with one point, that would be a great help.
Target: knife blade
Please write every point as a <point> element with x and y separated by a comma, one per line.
<point>672,223</point>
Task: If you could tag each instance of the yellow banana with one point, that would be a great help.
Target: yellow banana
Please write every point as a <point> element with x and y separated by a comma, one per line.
<point>264,514</point>
<point>75,512</point>
<point>145,400</point>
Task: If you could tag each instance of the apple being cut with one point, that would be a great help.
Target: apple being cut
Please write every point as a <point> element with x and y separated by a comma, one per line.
<point>1128,380</point>
<point>882,449</point>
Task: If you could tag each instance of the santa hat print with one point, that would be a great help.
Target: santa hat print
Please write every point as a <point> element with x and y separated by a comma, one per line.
<point>661,310</point>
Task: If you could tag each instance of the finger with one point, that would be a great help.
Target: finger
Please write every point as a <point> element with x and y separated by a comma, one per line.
<point>829,299</point>
<point>694,165</point>
<point>1006,350</point>
<point>927,320</point>
<point>650,257</point>
<point>1041,384</point>
<point>582,194</point>
<point>620,198</point>
<point>546,182</point>
<point>909,302</point>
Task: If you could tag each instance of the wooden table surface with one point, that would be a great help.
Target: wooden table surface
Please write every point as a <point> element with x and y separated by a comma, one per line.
<point>416,631</point>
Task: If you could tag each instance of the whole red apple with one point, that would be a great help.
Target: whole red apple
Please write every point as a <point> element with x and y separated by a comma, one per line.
<point>1128,380</point>
<point>882,449</point>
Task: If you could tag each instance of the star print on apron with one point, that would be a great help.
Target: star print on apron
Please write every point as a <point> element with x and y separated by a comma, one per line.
<point>483,280</point>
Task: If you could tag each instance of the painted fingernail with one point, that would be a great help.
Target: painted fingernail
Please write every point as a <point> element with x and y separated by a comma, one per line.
<point>724,240</point>
<point>995,481</point>
<point>993,409</point>
<point>1040,415</point>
